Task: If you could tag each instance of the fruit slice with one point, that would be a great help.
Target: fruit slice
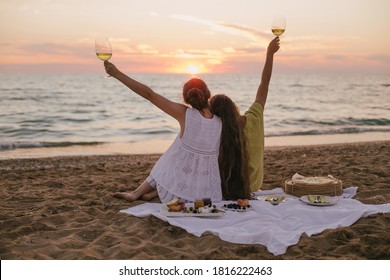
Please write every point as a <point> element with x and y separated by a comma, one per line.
<point>173,202</point>
<point>175,208</point>
<point>243,202</point>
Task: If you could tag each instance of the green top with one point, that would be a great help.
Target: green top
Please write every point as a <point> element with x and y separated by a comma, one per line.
<point>254,133</point>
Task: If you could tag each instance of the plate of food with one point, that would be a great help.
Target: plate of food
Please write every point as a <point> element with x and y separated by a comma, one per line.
<point>273,199</point>
<point>241,205</point>
<point>177,208</point>
<point>319,200</point>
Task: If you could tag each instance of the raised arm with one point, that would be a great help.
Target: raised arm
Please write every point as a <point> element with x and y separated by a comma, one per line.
<point>262,91</point>
<point>176,110</point>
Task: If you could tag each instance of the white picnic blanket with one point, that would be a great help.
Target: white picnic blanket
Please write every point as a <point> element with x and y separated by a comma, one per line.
<point>276,227</point>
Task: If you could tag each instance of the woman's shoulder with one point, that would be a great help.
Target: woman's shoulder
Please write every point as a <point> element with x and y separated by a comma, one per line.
<point>190,110</point>
<point>194,113</point>
<point>255,109</point>
<point>256,106</point>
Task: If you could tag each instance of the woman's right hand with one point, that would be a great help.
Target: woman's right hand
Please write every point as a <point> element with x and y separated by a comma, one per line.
<point>110,68</point>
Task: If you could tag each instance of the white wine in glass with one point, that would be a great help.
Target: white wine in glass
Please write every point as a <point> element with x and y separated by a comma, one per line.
<point>103,49</point>
<point>278,25</point>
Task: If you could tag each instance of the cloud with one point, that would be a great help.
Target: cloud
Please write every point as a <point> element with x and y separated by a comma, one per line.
<point>147,49</point>
<point>385,59</point>
<point>210,23</point>
<point>48,48</point>
<point>229,28</point>
<point>249,50</point>
<point>248,31</point>
<point>30,52</point>
<point>194,53</point>
<point>320,44</point>
<point>334,57</point>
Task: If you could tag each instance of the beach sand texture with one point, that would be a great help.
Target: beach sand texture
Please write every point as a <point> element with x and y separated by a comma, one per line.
<point>62,208</point>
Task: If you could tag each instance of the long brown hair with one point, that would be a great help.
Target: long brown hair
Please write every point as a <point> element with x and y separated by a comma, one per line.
<point>232,159</point>
<point>196,93</point>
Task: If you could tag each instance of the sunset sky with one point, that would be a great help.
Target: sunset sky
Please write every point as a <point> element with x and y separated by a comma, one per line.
<point>178,36</point>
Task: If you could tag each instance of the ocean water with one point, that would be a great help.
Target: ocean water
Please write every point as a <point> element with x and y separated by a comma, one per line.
<point>62,110</point>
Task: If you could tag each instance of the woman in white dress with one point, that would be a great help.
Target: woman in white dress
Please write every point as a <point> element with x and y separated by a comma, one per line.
<point>189,168</point>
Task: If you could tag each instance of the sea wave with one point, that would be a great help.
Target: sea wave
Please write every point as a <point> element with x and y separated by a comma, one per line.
<point>341,130</point>
<point>361,122</point>
<point>13,145</point>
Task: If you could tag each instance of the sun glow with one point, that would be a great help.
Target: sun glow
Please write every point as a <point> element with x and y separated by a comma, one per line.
<point>193,69</point>
<point>188,67</point>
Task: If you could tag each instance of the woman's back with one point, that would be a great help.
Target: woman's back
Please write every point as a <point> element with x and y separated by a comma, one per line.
<point>193,160</point>
<point>201,133</point>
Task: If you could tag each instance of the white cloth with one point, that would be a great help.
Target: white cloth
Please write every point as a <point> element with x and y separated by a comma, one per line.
<point>189,168</point>
<point>276,227</point>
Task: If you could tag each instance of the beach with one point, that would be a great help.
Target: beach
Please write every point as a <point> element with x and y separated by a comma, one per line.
<point>62,208</point>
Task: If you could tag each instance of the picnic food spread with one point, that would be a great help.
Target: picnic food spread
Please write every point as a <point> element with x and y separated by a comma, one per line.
<point>203,207</point>
<point>199,206</point>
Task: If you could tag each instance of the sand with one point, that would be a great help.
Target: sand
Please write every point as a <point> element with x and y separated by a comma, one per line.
<point>62,208</point>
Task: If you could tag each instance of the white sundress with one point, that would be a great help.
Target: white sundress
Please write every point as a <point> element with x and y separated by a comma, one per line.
<point>189,168</point>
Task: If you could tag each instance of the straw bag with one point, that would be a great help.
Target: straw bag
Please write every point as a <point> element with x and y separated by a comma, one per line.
<point>299,186</point>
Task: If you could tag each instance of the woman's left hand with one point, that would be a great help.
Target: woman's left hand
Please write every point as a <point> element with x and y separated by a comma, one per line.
<point>274,46</point>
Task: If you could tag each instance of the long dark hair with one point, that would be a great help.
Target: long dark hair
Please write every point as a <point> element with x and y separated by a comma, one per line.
<point>232,159</point>
<point>196,93</point>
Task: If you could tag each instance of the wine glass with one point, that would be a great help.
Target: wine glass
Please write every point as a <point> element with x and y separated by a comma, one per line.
<point>278,25</point>
<point>103,49</point>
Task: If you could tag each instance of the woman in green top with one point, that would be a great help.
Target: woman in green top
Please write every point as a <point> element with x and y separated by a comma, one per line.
<point>239,169</point>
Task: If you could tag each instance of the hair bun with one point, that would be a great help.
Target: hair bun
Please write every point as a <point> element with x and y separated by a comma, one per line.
<point>196,98</point>
<point>194,92</point>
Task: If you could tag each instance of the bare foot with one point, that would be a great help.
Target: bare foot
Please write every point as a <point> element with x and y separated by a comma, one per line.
<point>150,195</point>
<point>144,189</point>
<point>126,196</point>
